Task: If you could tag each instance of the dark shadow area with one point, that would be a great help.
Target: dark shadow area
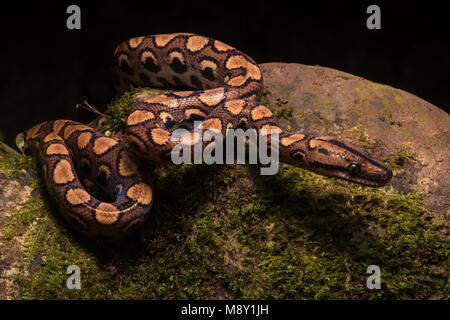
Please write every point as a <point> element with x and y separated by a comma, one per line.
<point>167,215</point>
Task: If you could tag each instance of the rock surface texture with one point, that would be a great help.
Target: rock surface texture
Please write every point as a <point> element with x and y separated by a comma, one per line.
<point>391,123</point>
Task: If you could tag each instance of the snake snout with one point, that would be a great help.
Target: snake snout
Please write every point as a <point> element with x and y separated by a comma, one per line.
<point>339,158</point>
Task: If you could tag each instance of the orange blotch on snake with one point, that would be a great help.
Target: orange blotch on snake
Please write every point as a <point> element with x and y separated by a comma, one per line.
<point>77,196</point>
<point>52,136</point>
<point>145,55</point>
<point>135,42</point>
<point>176,54</point>
<point>162,40</point>
<point>237,81</point>
<point>220,46</point>
<point>268,128</point>
<point>313,143</point>
<point>212,97</point>
<point>238,61</point>
<point>235,106</point>
<point>293,138</point>
<point>165,116</point>
<point>204,64</point>
<point>57,148</point>
<point>63,172</point>
<point>261,112</point>
<point>106,213</point>
<point>139,116</point>
<point>83,140</point>
<point>127,167</point>
<point>196,43</point>
<point>189,112</point>
<point>103,144</point>
<point>160,136</point>
<point>164,100</point>
<point>183,93</point>
<point>252,97</point>
<point>141,193</point>
<point>213,124</point>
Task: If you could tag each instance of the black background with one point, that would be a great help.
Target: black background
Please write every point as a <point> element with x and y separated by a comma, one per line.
<point>47,69</point>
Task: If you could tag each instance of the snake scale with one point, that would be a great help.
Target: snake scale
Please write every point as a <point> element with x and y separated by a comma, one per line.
<point>227,89</point>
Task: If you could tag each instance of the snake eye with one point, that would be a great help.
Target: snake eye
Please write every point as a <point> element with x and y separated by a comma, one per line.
<point>353,169</point>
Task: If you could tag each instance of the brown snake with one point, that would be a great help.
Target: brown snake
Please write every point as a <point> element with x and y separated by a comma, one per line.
<point>229,87</point>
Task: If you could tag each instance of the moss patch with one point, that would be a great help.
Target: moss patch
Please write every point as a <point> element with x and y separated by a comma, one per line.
<point>279,107</point>
<point>120,107</point>
<point>398,158</point>
<point>13,165</point>
<point>227,232</point>
<point>358,133</point>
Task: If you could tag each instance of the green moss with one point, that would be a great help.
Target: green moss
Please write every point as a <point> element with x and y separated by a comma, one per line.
<point>227,232</point>
<point>283,110</point>
<point>398,158</point>
<point>12,164</point>
<point>391,120</point>
<point>358,133</point>
<point>120,107</point>
<point>19,223</point>
<point>280,107</point>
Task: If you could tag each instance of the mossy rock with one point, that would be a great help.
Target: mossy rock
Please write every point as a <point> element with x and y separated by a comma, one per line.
<point>226,232</point>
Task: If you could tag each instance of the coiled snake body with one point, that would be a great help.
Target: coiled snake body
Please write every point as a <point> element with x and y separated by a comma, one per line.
<point>228,86</point>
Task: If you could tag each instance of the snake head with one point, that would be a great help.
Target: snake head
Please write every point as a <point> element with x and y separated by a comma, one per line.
<point>339,158</point>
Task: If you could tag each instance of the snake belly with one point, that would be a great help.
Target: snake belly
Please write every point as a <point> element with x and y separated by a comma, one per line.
<point>227,88</point>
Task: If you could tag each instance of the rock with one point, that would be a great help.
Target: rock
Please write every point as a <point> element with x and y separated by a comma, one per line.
<point>14,192</point>
<point>411,134</point>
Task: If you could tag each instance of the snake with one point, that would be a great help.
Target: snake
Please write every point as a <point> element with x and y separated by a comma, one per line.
<point>222,89</point>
